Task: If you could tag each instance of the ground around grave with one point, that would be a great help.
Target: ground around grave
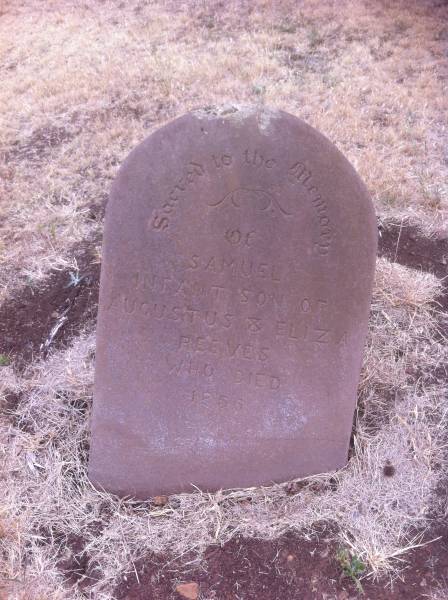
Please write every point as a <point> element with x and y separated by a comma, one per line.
<point>81,85</point>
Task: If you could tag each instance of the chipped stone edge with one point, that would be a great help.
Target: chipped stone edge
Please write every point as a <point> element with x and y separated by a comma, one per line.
<point>238,113</point>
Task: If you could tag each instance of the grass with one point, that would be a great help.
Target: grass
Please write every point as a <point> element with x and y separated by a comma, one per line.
<point>4,360</point>
<point>351,566</point>
<point>86,83</point>
<point>81,86</point>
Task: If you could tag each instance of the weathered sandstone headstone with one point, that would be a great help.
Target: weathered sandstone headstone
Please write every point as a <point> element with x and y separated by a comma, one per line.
<point>238,259</point>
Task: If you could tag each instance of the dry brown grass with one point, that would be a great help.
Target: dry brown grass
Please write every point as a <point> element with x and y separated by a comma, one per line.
<point>81,85</point>
<point>48,498</point>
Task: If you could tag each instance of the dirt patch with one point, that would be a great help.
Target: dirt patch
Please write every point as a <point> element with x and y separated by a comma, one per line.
<point>48,317</point>
<point>8,406</point>
<point>289,568</point>
<point>75,563</point>
<point>405,244</point>
<point>9,402</point>
<point>39,144</point>
<point>133,107</point>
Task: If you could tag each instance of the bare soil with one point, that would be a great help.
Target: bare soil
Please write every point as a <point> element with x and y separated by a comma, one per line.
<point>68,298</point>
<point>39,145</point>
<point>289,568</point>
<point>406,245</point>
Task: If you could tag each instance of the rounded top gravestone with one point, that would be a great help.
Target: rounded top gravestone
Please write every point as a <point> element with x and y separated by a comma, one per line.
<point>238,260</point>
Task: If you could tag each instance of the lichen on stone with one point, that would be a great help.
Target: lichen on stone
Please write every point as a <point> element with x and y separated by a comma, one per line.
<point>239,113</point>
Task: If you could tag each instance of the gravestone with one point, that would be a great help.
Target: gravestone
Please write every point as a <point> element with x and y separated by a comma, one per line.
<point>238,260</point>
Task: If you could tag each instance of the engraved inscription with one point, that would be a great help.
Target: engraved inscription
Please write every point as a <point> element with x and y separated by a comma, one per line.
<point>290,322</point>
<point>189,366</point>
<point>256,159</point>
<point>264,201</point>
<point>237,238</point>
<point>299,174</point>
<point>223,160</point>
<point>209,397</point>
<point>160,218</point>
<point>258,380</point>
<point>234,266</point>
<point>224,348</point>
